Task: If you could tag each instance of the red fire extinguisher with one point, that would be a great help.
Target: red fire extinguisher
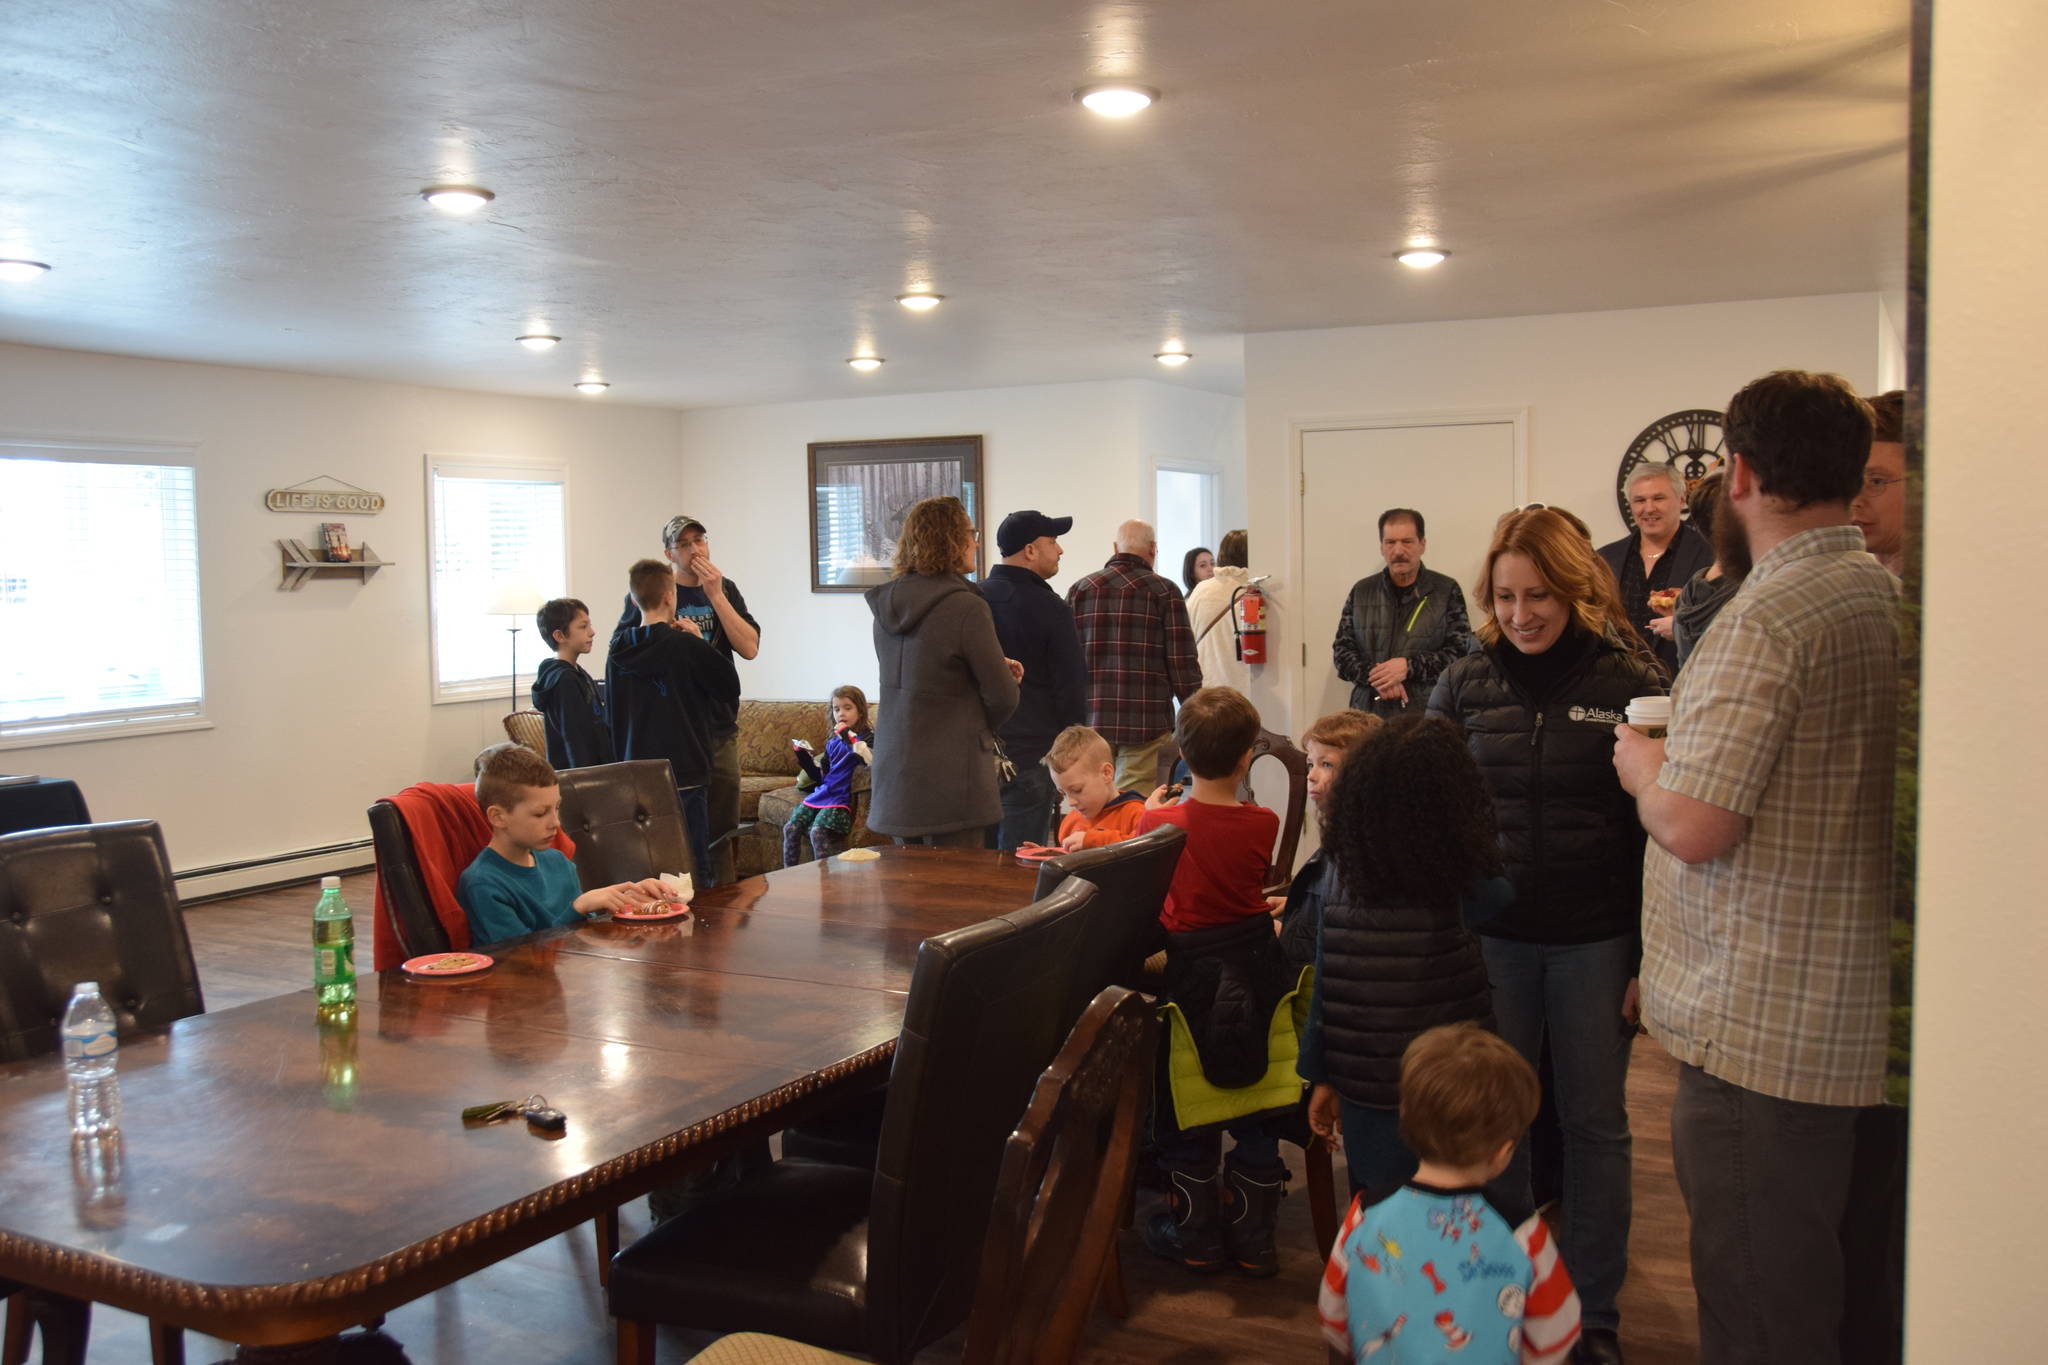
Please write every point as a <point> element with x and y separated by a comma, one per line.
<point>1251,628</point>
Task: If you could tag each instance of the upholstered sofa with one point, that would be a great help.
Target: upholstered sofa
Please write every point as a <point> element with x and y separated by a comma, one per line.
<point>768,778</point>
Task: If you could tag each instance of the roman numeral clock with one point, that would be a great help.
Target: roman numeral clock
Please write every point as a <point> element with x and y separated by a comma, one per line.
<point>1689,441</point>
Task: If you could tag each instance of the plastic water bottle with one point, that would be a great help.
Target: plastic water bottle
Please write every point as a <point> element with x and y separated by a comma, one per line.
<point>334,947</point>
<point>89,1051</point>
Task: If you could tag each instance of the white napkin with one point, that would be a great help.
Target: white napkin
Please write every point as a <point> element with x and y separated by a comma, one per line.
<point>679,886</point>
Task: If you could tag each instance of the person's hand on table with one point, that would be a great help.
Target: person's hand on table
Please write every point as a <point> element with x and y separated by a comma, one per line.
<point>1324,1119</point>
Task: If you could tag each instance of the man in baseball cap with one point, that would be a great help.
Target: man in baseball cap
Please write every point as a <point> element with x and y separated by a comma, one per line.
<point>1036,629</point>
<point>711,605</point>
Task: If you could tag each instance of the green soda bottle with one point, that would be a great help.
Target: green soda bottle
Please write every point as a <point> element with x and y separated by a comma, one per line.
<point>334,947</point>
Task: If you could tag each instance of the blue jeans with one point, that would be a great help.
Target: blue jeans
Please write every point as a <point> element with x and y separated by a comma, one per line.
<point>695,803</point>
<point>1374,1155</point>
<point>1572,992</point>
<point>1028,801</point>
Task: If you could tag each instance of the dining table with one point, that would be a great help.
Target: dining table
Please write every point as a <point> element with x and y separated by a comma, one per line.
<point>284,1173</point>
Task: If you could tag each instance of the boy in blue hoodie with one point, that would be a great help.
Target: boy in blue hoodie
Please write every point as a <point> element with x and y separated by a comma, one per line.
<point>564,694</point>
<point>671,691</point>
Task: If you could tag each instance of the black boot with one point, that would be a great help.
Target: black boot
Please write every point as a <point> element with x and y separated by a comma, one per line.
<point>1251,1206</point>
<point>1188,1229</point>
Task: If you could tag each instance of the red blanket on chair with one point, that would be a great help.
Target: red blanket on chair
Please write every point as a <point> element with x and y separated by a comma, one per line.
<point>448,830</point>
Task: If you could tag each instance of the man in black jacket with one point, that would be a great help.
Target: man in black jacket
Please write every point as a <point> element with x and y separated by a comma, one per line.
<point>1401,627</point>
<point>1660,555</point>
<point>1036,628</point>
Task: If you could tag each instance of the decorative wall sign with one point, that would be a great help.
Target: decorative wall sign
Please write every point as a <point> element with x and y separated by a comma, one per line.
<point>1689,441</point>
<point>301,497</point>
<point>860,491</point>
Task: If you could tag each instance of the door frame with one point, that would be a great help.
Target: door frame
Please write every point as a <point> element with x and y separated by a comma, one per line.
<point>1516,418</point>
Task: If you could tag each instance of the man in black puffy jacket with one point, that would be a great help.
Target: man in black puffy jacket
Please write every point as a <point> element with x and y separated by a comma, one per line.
<point>1401,627</point>
<point>1036,627</point>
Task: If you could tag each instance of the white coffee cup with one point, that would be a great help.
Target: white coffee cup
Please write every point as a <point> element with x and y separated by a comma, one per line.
<point>1651,715</point>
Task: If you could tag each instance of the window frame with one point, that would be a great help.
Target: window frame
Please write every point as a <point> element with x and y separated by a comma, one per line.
<point>131,722</point>
<point>482,466</point>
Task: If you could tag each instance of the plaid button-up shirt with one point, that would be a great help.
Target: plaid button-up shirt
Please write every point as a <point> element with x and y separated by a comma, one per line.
<point>1140,650</point>
<point>1766,966</point>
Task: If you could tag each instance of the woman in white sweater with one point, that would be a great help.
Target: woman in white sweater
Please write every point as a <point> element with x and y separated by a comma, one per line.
<point>1209,611</point>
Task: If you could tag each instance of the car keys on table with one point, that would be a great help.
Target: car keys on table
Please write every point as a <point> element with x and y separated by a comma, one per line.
<point>535,1109</point>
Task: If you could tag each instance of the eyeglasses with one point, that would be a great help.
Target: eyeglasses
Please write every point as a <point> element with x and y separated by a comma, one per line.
<point>1876,484</point>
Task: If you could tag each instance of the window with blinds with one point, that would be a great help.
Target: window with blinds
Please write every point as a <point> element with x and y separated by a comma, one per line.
<point>99,595</point>
<point>493,527</point>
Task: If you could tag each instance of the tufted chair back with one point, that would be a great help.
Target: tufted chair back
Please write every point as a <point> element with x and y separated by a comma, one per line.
<point>90,903</point>
<point>625,821</point>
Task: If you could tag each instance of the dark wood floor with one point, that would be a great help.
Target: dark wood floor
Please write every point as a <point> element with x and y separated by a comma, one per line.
<point>543,1307</point>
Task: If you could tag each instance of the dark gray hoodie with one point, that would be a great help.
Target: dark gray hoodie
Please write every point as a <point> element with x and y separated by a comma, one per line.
<point>945,689</point>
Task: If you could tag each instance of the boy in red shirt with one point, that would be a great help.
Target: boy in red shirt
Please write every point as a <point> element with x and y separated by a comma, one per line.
<point>1225,972</point>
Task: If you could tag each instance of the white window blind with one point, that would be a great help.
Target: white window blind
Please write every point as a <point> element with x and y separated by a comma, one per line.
<point>99,598</point>
<point>492,525</point>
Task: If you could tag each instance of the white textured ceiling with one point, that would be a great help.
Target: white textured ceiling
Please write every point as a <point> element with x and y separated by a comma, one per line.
<point>716,204</point>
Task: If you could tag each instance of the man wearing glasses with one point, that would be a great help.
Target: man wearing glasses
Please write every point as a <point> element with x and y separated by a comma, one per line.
<point>1880,509</point>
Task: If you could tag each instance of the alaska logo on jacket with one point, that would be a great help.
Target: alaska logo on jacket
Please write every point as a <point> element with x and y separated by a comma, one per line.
<point>1599,715</point>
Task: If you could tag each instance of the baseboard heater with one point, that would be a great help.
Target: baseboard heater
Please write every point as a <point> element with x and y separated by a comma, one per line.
<point>199,884</point>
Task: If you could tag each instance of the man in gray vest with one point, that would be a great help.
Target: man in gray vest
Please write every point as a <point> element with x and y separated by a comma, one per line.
<point>1401,627</point>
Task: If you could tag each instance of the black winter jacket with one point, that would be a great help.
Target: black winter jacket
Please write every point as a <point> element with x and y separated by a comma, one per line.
<point>1228,980</point>
<point>1036,627</point>
<point>1569,837</point>
<point>670,694</point>
<point>578,736</point>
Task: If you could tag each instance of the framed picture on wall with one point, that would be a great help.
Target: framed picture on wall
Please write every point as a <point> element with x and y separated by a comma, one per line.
<point>860,491</point>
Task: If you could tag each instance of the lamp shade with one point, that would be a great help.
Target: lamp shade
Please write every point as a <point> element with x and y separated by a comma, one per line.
<point>517,597</point>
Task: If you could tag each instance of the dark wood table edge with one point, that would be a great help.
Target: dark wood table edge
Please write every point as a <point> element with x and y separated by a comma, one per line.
<point>308,1310</point>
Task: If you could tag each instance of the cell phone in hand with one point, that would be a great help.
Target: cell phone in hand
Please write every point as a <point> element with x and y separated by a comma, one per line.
<point>803,744</point>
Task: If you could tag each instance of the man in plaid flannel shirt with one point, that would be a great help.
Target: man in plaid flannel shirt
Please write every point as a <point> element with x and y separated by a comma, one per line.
<point>1140,652</point>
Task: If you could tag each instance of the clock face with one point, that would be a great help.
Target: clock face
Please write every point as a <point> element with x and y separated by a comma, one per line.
<point>1689,441</point>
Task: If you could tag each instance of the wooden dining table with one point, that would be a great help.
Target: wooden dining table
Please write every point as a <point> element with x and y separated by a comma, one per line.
<point>282,1176</point>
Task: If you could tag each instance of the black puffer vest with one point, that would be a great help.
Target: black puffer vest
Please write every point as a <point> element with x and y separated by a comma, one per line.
<point>1569,837</point>
<point>1389,973</point>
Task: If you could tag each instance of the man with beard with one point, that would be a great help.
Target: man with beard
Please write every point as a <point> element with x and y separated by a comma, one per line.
<point>1707,591</point>
<point>1767,882</point>
<point>1401,627</point>
<point>1662,553</point>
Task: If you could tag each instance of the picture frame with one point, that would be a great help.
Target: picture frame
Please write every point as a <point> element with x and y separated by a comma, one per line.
<point>860,491</point>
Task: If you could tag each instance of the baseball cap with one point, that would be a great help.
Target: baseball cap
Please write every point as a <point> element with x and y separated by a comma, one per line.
<point>678,524</point>
<point>1021,528</point>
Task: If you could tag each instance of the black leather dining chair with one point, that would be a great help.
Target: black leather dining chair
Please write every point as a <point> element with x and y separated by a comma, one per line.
<point>418,928</point>
<point>880,1260</point>
<point>1133,876</point>
<point>625,821</point>
<point>85,903</point>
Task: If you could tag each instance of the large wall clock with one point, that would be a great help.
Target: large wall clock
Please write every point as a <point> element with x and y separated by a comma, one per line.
<point>1689,441</point>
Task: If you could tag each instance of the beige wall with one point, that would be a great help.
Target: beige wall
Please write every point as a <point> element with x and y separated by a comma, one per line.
<point>1979,1193</point>
<point>319,698</point>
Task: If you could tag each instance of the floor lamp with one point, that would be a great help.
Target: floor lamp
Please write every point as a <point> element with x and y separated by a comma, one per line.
<point>517,598</point>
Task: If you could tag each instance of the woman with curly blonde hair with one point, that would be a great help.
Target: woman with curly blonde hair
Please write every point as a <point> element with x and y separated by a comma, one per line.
<point>946,686</point>
<point>1539,706</point>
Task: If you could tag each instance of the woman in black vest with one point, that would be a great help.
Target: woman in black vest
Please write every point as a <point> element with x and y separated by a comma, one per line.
<point>1538,708</point>
<point>1409,837</point>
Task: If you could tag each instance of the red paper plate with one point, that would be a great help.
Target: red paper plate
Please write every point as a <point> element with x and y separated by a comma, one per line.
<point>1037,853</point>
<point>660,910</point>
<point>447,964</point>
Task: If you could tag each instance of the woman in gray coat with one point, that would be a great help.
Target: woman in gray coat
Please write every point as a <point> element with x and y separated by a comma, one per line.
<point>945,687</point>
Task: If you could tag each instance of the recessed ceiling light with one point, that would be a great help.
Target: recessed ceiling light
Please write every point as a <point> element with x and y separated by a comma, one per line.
<point>864,363</point>
<point>17,271</point>
<point>1421,258</point>
<point>1174,359</point>
<point>1116,99</point>
<point>591,386</point>
<point>535,341</point>
<point>920,303</point>
<point>457,199</point>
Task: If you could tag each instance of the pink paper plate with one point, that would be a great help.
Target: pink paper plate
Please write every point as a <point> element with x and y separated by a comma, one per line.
<point>660,910</point>
<point>1037,853</point>
<point>446,964</point>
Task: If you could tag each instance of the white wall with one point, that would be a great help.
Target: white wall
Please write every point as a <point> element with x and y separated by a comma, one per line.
<point>1590,382</point>
<point>1979,1192</point>
<point>318,698</point>
<point>1079,450</point>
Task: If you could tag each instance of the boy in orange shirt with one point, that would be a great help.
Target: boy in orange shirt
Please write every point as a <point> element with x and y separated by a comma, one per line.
<point>1083,769</point>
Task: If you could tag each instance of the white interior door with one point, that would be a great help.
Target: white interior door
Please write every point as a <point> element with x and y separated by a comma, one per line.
<point>1461,476</point>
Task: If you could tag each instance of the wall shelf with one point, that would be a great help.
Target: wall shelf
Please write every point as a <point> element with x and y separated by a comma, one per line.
<point>302,563</point>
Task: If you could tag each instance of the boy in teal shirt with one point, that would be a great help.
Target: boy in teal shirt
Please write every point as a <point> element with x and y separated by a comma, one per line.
<point>517,884</point>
